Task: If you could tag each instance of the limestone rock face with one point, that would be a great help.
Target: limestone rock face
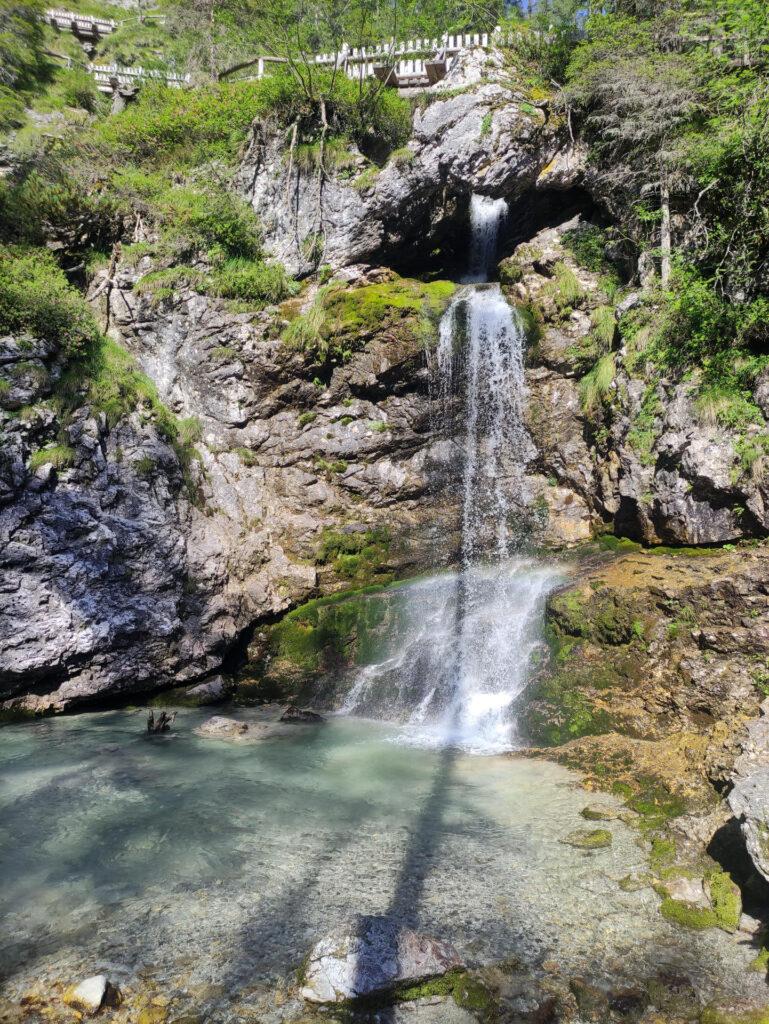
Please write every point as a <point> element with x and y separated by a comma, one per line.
<point>372,955</point>
<point>485,139</point>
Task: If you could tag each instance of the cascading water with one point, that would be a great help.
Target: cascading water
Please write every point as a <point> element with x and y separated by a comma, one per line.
<point>467,638</point>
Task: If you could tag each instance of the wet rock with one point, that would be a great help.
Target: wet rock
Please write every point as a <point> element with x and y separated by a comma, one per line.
<point>221,728</point>
<point>426,1011</point>
<point>369,956</point>
<point>600,812</point>
<point>295,714</point>
<point>92,995</point>
<point>588,839</point>
<point>210,691</point>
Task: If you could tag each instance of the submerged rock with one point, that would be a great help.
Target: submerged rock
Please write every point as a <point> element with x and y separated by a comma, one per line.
<point>221,728</point>
<point>92,994</point>
<point>372,955</point>
<point>295,714</point>
<point>588,839</point>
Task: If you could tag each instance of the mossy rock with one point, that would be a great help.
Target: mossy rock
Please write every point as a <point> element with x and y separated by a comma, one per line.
<point>717,1015</point>
<point>327,635</point>
<point>589,839</point>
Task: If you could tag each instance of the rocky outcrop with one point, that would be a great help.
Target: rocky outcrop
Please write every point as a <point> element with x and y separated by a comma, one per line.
<point>652,646</point>
<point>484,138</point>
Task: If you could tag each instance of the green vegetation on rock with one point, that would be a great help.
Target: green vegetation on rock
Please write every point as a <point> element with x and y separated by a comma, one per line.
<point>340,320</point>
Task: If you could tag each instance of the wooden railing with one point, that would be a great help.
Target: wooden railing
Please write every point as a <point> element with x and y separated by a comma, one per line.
<point>83,25</point>
<point>110,77</point>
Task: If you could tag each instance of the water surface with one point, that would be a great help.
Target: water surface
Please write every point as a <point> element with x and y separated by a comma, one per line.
<point>196,862</point>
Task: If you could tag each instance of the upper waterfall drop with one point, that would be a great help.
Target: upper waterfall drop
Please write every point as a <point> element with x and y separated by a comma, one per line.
<point>467,638</point>
<point>487,217</point>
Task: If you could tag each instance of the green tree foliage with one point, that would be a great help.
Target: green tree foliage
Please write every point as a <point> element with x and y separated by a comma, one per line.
<point>673,99</point>
<point>22,61</point>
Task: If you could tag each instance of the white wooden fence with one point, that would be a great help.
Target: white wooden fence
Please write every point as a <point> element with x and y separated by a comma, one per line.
<point>84,26</point>
<point>110,77</point>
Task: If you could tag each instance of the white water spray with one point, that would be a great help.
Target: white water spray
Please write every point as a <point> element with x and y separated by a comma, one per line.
<point>469,639</point>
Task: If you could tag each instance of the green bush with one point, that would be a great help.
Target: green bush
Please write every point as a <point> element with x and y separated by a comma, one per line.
<point>35,298</point>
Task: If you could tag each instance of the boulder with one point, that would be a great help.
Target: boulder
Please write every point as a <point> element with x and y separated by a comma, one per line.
<point>749,797</point>
<point>210,691</point>
<point>92,994</point>
<point>588,839</point>
<point>372,955</point>
<point>298,715</point>
<point>749,801</point>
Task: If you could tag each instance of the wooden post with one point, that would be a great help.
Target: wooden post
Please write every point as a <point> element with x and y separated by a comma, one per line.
<point>666,245</point>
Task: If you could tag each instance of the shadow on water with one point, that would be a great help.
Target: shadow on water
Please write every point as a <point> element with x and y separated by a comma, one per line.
<point>426,833</point>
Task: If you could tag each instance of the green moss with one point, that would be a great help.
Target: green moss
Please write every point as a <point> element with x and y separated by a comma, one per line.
<point>352,627</point>
<point>655,804</point>
<point>715,1015</point>
<point>663,852</point>
<point>687,915</point>
<point>725,899</point>
<point>760,963</point>
<point>355,554</point>
<point>307,417</point>
<point>467,991</point>
<point>584,839</point>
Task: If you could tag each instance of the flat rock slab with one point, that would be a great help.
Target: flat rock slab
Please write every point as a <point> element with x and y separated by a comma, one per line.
<point>234,731</point>
<point>372,955</point>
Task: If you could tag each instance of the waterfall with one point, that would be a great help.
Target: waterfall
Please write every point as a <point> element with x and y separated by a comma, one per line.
<point>470,635</point>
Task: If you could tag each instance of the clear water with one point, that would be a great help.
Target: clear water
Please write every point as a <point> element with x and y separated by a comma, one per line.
<point>188,863</point>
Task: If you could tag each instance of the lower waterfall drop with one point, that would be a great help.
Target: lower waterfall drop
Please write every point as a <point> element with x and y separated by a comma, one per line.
<point>467,638</point>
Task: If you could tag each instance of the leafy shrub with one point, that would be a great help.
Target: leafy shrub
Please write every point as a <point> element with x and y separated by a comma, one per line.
<point>587,244</point>
<point>35,298</point>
